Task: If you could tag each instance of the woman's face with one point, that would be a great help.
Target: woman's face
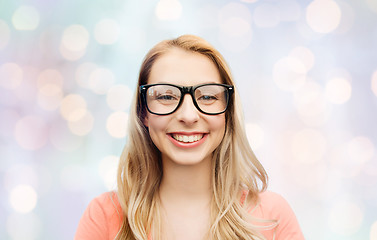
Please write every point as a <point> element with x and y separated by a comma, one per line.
<point>187,136</point>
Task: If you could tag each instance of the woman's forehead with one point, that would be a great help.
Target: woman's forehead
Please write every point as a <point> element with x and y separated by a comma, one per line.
<point>183,67</point>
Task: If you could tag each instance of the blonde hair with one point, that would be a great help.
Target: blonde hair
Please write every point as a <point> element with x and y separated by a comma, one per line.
<point>235,167</point>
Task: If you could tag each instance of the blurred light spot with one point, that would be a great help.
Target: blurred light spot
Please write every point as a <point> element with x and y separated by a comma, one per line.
<point>75,38</point>
<point>308,146</point>
<point>323,16</point>
<point>25,18</point>
<point>316,120</point>
<point>74,42</point>
<point>367,179</point>
<point>310,103</point>
<point>305,55</point>
<point>338,90</point>
<point>119,97</point>
<point>168,10</point>
<point>347,19</point>
<point>100,80</point>
<point>26,93</point>
<point>50,82</point>
<point>116,124</point>
<point>74,178</point>
<point>289,10</point>
<point>31,132</point>
<point>50,76</point>
<point>350,159</point>
<point>255,135</point>
<point>311,176</point>
<point>50,97</point>
<point>235,27</point>
<point>73,107</point>
<point>289,73</point>
<point>371,170</point>
<point>11,75</point>
<point>107,169</point>
<point>23,198</point>
<point>374,83</point>
<point>83,73</point>
<point>345,218</point>
<point>24,226</point>
<point>71,55</point>
<point>341,162</point>
<point>234,9</point>
<point>372,4</point>
<point>373,229</point>
<point>266,16</point>
<point>82,126</point>
<point>4,34</point>
<point>305,96</point>
<point>361,149</point>
<point>235,44</point>
<point>19,174</point>
<point>62,139</point>
<point>107,31</point>
<point>9,117</point>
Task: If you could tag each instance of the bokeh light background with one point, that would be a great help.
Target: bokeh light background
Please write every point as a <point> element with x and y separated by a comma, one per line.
<point>306,72</point>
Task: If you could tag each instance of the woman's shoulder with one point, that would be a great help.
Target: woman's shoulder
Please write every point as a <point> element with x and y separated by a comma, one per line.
<point>109,205</point>
<point>107,199</point>
<point>273,203</point>
<point>275,217</point>
<point>101,219</point>
<point>275,209</point>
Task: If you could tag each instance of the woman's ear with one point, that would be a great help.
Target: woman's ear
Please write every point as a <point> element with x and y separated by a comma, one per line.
<point>146,120</point>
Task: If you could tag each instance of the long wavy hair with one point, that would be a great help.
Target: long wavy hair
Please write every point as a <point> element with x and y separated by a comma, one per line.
<point>235,169</point>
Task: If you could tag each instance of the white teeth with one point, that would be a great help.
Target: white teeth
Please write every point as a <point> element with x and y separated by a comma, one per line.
<point>187,138</point>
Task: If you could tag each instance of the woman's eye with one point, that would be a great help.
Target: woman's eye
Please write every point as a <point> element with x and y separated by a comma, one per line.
<point>166,97</point>
<point>207,98</point>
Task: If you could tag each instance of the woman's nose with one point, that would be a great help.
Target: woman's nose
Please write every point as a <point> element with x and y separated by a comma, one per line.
<point>187,112</point>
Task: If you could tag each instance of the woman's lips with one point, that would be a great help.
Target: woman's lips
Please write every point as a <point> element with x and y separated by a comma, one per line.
<point>187,140</point>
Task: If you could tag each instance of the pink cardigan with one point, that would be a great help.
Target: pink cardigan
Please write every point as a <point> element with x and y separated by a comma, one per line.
<point>103,218</point>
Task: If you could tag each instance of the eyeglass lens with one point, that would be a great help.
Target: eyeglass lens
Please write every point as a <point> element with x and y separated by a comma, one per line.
<point>164,99</point>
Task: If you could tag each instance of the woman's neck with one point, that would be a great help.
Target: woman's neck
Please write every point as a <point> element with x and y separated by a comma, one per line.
<point>185,195</point>
<point>186,183</point>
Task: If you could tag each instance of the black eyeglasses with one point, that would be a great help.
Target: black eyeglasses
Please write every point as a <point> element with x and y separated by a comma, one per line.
<point>164,99</point>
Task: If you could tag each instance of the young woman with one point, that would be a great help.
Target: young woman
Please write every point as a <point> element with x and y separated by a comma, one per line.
<point>188,172</point>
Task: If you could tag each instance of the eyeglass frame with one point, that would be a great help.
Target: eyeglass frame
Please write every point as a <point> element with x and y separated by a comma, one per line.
<point>185,90</point>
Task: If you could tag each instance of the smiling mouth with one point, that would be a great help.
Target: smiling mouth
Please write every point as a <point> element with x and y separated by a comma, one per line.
<point>187,138</point>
